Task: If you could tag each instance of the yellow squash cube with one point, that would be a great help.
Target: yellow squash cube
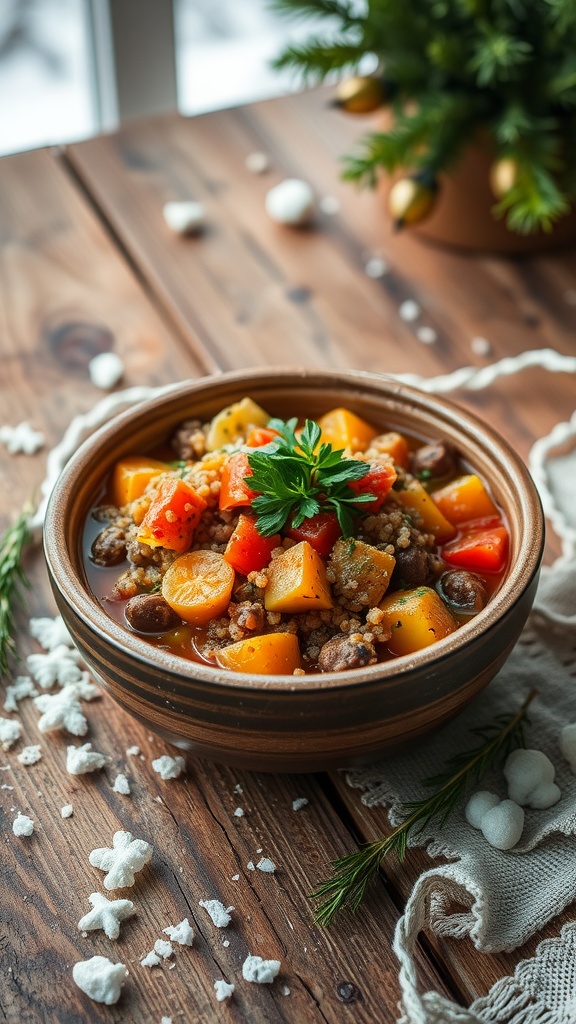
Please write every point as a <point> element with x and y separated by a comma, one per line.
<point>343,429</point>
<point>297,582</point>
<point>271,654</point>
<point>415,496</point>
<point>417,618</point>
<point>131,477</point>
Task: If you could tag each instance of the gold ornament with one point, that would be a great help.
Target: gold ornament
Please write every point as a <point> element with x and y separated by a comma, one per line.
<point>412,199</point>
<point>503,176</point>
<point>361,94</point>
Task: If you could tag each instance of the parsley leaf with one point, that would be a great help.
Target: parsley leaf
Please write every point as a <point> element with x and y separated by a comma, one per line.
<point>297,477</point>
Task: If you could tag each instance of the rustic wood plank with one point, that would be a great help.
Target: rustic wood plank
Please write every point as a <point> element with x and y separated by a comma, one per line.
<point>60,268</point>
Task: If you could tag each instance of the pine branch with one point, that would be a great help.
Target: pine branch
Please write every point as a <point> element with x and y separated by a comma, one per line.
<point>12,581</point>
<point>347,886</point>
<point>317,58</point>
<point>341,9</point>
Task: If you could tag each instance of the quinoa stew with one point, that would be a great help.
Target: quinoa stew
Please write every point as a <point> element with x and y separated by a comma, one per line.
<point>272,547</point>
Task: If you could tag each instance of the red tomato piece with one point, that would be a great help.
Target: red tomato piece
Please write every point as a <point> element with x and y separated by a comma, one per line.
<point>172,516</point>
<point>483,550</point>
<point>321,531</point>
<point>260,436</point>
<point>234,492</point>
<point>378,481</point>
<point>247,550</point>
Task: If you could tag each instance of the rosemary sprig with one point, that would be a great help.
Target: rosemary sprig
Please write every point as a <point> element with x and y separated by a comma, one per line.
<point>12,580</point>
<point>346,888</point>
<point>297,477</point>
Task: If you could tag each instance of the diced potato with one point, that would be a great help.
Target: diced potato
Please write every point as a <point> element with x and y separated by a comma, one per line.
<point>234,422</point>
<point>416,618</point>
<point>272,654</point>
<point>415,496</point>
<point>463,499</point>
<point>297,582</point>
<point>362,573</point>
<point>343,429</point>
<point>131,477</point>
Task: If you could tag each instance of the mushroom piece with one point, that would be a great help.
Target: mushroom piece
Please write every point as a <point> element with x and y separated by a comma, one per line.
<point>464,592</point>
<point>433,460</point>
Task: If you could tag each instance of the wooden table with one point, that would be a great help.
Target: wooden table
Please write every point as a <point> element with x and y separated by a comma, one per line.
<point>87,265</point>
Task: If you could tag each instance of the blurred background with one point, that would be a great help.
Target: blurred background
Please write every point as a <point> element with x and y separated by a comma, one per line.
<point>67,65</point>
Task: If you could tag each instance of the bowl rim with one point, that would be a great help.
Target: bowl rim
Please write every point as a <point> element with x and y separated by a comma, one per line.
<point>84,604</point>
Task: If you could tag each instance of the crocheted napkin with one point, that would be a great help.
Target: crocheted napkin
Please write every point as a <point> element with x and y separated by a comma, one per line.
<point>509,895</point>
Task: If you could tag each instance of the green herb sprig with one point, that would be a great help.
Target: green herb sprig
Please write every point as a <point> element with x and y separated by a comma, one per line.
<point>12,581</point>
<point>347,886</point>
<point>297,477</point>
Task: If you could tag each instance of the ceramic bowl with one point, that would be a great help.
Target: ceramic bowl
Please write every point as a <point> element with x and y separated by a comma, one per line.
<point>287,723</point>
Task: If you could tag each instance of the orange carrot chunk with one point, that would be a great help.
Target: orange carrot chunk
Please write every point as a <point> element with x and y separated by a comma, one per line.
<point>343,429</point>
<point>198,586</point>
<point>416,497</point>
<point>274,654</point>
<point>131,477</point>
<point>172,517</point>
<point>247,550</point>
<point>463,499</point>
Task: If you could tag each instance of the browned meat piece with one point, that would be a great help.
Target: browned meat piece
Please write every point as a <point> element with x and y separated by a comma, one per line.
<point>189,441</point>
<point>344,652</point>
<point>432,460</point>
<point>150,613</point>
<point>412,569</point>
<point>135,581</point>
<point>109,547</point>
<point>248,615</point>
<point>462,590</point>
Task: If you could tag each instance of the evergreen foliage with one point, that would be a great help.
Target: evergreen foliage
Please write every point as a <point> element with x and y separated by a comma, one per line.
<point>507,67</point>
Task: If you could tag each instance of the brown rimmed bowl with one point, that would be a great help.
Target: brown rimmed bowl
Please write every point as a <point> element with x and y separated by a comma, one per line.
<point>288,723</point>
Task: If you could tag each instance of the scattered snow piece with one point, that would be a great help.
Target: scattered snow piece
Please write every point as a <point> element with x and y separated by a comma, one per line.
<point>266,865</point>
<point>62,710</point>
<point>216,910</point>
<point>238,789</point>
<point>376,267</point>
<point>502,825</point>
<point>185,218</point>
<point>121,785</point>
<point>5,767</point>
<point>100,979</point>
<point>409,310</point>
<point>480,346</point>
<point>182,933</point>
<point>567,743</point>
<point>250,866</point>
<point>299,803</point>
<point>169,767</point>
<point>22,438</point>
<point>167,1020</point>
<point>427,335</point>
<point>22,825</point>
<point>258,970</point>
<point>59,665</point>
<point>171,967</point>
<point>530,777</point>
<point>164,948</point>
<point>330,205</point>
<point>81,760</point>
<point>239,812</point>
<point>259,850</point>
<point>50,633</point>
<point>22,687</point>
<point>133,751</point>
<point>151,959</point>
<point>4,786</point>
<point>31,754</point>
<point>285,990</point>
<point>122,861</point>
<point>9,732</point>
<point>86,690</point>
<point>478,805</point>
<point>223,990</point>
<point>67,811</point>
<point>290,202</point>
<point>226,943</point>
<point>236,878</point>
<point>257,163</point>
<point>106,370</point>
<point>107,915</point>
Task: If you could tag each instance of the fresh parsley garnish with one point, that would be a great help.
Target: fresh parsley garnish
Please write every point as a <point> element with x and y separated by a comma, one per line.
<point>297,477</point>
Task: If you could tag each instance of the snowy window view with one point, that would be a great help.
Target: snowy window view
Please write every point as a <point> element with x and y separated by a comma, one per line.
<point>223,53</point>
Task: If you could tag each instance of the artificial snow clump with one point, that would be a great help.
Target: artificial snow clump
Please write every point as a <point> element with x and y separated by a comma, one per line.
<point>477,806</point>
<point>502,825</point>
<point>223,990</point>
<point>239,812</point>
<point>266,865</point>
<point>567,742</point>
<point>151,959</point>
<point>121,785</point>
<point>216,910</point>
<point>63,710</point>
<point>21,687</point>
<point>122,861</point>
<point>290,202</point>
<point>50,633</point>
<point>67,811</point>
<point>182,933</point>
<point>22,438</point>
<point>81,760</point>
<point>530,777</point>
<point>9,732</point>
<point>106,370</point>
<point>22,825</point>
<point>106,915</point>
<point>299,803</point>
<point>31,754</point>
<point>100,979</point>
<point>409,310</point>
<point>169,767</point>
<point>164,948</point>
<point>258,970</point>
<point>58,665</point>
<point>257,163</point>
<point>185,217</point>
